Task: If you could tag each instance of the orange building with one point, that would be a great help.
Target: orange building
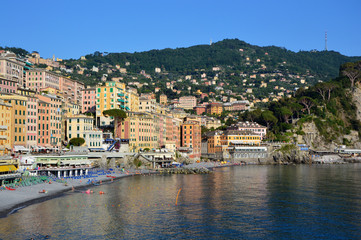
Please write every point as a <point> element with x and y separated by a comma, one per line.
<point>191,137</point>
<point>200,109</point>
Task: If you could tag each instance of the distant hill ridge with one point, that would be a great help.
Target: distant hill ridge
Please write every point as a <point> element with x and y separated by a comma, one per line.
<point>230,53</point>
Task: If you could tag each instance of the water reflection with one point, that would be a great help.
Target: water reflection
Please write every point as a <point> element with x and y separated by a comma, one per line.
<point>273,202</point>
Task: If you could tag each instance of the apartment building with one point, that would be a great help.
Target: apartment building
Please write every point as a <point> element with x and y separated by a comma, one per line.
<point>214,108</point>
<point>187,102</point>
<point>5,127</point>
<point>191,138</point>
<point>11,68</point>
<point>110,96</point>
<point>82,126</point>
<point>49,120</point>
<point>250,126</point>
<point>88,100</point>
<point>18,119</point>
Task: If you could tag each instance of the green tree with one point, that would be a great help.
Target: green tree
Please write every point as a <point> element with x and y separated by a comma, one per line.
<point>269,118</point>
<point>308,103</point>
<point>286,113</point>
<point>77,141</point>
<point>352,71</point>
<point>118,115</point>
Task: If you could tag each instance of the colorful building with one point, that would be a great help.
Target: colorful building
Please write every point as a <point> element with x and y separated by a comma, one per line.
<point>110,96</point>
<point>250,126</point>
<point>7,85</point>
<point>191,138</point>
<point>88,100</point>
<point>200,109</point>
<point>141,130</point>
<point>39,78</point>
<point>18,135</point>
<point>71,89</point>
<point>5,127</point>
<point>82,126</point>
<point>187,102</point>
<point>240,137</point>
<point>32,122</point>
<point>11,68</point>
<point>214,108</point>
<point>163,100</point>
<point>49,121</point>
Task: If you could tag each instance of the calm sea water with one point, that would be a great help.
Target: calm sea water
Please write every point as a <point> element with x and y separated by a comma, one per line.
<point>245,202</point>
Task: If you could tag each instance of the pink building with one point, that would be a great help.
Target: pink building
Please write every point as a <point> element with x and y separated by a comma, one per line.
<point>88,100</point>
<point>32,122</point>
<point>8,86</point>
<point>37,79</point>
<point>49,120</point>
<point>71,89</point>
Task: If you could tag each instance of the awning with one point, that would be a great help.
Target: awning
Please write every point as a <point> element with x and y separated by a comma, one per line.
<point>8,168</point>
<point>20,148</point>
<point>47,162</point>
<point>75,162</point>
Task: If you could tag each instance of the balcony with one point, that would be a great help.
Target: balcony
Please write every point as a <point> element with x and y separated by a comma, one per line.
<point>3,127</point>
<point>121,94</point>
<point>3,137</point>
<point>121,100</point>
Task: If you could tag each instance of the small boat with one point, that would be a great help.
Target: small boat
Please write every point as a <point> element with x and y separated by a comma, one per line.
<point>101,192</point>
<point>111,176</point>
<point>43,191</point>
<point>9,188</point>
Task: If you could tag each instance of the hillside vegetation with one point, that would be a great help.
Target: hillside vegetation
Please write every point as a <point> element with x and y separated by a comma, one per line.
<point>330,107</point>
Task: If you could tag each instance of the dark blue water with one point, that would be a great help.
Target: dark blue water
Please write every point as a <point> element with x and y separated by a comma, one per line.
<point>245,202</point>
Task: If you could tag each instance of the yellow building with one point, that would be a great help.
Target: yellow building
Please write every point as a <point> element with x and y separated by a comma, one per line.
<point>213,140</point>
<point>112,95</point>
<point>163,100</point>
<point>133,100</point>
<point>240,137</point>
<point>18,119</point>
<point>214,108</point>
<point>142,130</point>
<point>82,126</point>
<point>5,127</point>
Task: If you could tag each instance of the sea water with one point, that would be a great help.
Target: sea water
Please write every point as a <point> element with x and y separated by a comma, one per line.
<point>243,202</point>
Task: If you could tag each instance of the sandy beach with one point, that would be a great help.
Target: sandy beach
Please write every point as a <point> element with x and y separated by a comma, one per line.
<point>24,196</point>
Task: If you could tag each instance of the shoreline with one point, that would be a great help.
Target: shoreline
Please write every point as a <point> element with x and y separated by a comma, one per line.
<point>12,201</point>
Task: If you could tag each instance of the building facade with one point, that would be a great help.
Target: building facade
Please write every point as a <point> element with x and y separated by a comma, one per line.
<point>191,138</point>
<point>88,100</point>
<point>187,102</point>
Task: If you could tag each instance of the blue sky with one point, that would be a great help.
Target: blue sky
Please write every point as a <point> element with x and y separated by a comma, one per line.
<point>72,28</point>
